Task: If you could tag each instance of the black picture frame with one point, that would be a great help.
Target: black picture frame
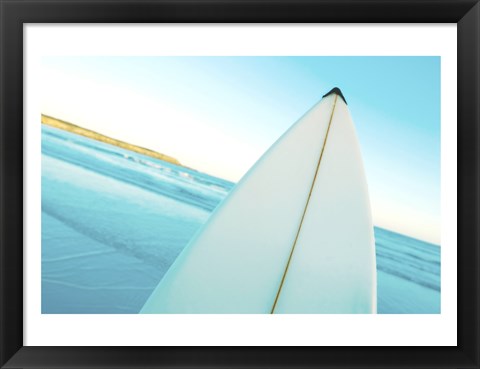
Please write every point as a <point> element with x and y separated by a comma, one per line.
<point>16,13</point>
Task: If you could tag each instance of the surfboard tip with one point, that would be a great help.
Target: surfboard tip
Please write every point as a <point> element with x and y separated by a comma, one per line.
<point>336,91</point>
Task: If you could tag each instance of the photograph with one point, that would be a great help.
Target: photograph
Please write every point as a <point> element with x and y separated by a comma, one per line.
<point>224,184</point>
<point>240,184</point>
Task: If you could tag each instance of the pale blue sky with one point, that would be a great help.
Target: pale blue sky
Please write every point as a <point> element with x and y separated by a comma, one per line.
<point>219,114</point>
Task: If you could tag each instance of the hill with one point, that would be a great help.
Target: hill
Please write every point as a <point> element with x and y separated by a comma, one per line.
<point>57,123</point>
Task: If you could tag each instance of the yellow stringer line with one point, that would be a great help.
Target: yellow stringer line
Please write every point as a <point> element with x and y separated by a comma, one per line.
<point>304,210</point>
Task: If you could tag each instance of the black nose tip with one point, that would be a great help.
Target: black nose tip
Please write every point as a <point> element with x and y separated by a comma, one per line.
<point>336,91</point>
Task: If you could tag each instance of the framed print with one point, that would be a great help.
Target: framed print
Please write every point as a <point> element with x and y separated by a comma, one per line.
<point>239,184</point>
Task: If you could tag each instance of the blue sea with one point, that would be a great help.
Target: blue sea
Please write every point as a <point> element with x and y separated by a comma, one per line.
<point>113,221</point>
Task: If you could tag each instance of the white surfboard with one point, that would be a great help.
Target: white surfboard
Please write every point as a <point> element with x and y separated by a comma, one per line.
<point>294,236</point>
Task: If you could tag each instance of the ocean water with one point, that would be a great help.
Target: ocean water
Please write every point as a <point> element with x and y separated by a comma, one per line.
<point>113,221</point>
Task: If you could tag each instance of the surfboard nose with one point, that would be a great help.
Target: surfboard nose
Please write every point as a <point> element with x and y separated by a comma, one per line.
<point>336,91</point>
